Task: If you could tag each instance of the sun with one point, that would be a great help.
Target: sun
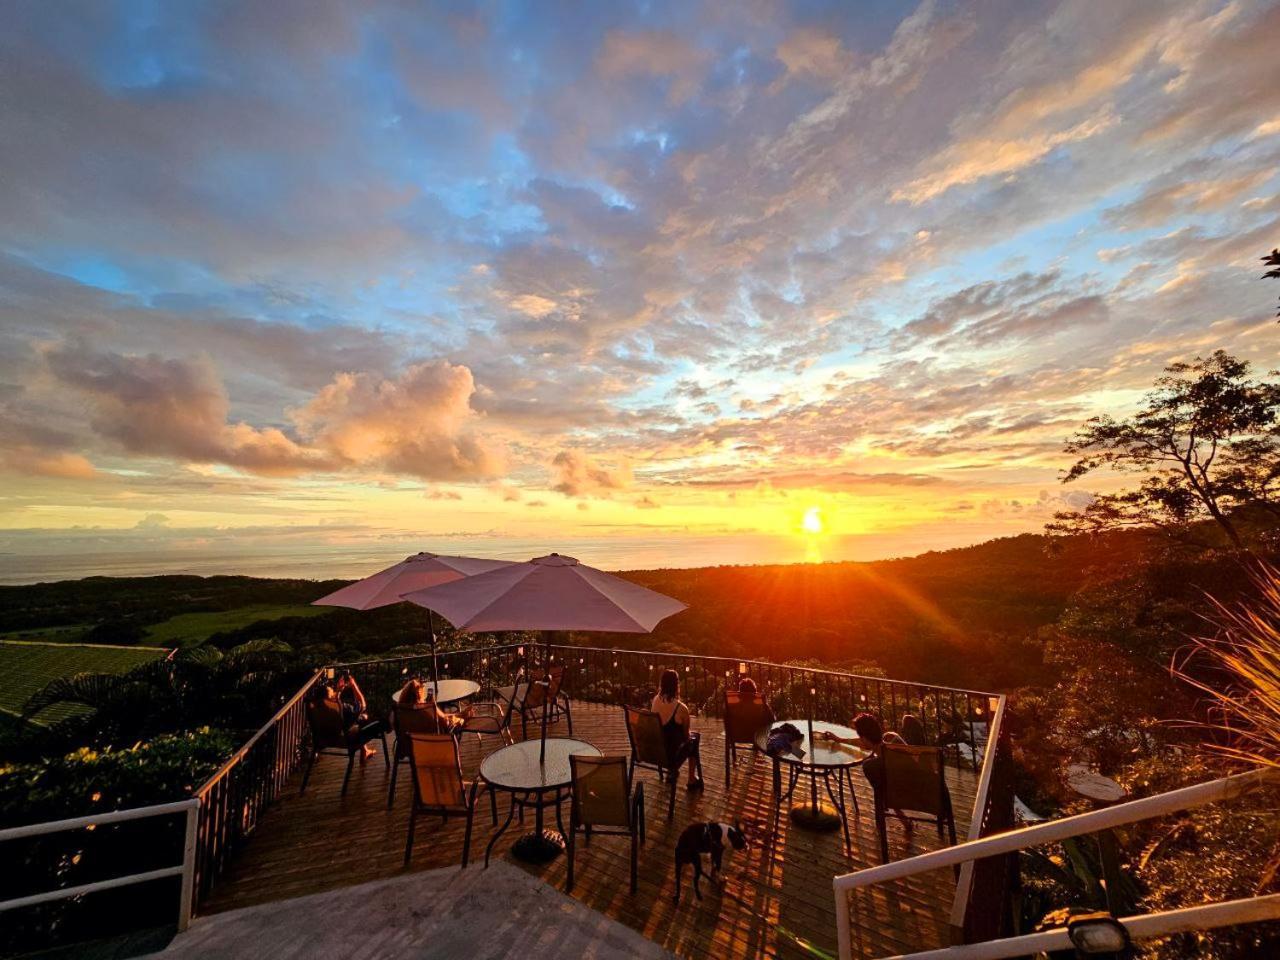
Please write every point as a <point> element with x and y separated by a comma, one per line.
<point>812,522</point>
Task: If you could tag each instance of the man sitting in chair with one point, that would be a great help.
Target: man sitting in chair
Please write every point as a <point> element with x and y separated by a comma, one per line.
<point>871,736</point>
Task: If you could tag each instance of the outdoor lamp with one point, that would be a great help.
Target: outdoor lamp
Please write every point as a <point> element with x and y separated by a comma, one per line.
<point>742,667</point>
<point>1098,935</point>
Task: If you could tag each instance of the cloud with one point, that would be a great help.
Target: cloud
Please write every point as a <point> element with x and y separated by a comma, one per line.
<point>577,474</point>
<point>659,54</point>
<point>813,53</point>
<point>419,423</point>
<point>506,492</point>
<point>982,157</point>
<point>153,405</point>
<point>1159,203</point>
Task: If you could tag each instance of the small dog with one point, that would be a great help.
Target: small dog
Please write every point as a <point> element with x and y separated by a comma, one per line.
<point>703,838</point>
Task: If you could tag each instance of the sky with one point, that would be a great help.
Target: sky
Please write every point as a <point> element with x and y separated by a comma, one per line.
<point>649,282</point>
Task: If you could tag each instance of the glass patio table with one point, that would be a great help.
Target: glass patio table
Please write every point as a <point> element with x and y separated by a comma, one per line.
<point>821,760</point>
<point>537,782</point>
<point>446,691</point>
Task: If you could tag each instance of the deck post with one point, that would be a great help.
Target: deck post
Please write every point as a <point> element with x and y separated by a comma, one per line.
<point>187,903</point>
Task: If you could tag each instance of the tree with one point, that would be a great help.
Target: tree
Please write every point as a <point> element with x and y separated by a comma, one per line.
<point>1206,442</point>
<point>1272,260</point>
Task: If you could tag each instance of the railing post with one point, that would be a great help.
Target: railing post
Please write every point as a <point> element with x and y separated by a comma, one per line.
<point>844,936</point>
<point>186,904</point>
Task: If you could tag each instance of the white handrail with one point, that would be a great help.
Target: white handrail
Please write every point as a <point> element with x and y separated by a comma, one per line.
<point>1050,831</point>
<point>1209,916</point>
<point>186,869</point>
<point>960,903</point>
<point>93,820</point>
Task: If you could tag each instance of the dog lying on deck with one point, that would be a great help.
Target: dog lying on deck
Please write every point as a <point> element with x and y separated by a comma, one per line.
<point>703,838</point>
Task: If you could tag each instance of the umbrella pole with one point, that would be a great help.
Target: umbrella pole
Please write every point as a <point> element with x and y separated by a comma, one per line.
<point>435,670</point>
<point>546,693</point>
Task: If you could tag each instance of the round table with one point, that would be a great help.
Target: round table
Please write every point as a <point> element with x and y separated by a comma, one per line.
<point>446,691</point>
<point>534,781</point>
<point>821,760</point>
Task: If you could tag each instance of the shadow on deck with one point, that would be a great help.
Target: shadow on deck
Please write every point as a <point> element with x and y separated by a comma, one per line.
<point>777,900</point>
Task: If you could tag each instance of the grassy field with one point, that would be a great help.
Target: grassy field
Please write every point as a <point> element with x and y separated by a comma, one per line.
<point>26,667</point>
<point>190,629</point>
<point>61,634</point>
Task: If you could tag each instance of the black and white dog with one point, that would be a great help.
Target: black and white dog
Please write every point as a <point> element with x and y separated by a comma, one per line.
<point>703,838</point>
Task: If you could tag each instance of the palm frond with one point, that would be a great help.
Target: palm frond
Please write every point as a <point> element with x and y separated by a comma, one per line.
<point>86,689</point>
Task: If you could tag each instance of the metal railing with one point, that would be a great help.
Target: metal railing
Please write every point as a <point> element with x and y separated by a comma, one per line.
<point>957,718</point>
<point>1204,917</point>
<point>232,800</point>
<point>185,869</point>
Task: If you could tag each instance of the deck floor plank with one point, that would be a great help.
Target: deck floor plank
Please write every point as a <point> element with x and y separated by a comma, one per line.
<point>776,900</point>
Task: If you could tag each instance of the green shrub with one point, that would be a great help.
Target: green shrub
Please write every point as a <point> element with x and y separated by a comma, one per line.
<point>168,767</point>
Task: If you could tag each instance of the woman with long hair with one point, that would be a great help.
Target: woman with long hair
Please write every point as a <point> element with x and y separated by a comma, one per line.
<point>682,743</point>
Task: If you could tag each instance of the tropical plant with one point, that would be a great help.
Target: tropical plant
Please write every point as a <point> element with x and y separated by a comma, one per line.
<point>1206,442</point>
<point>1238,669</point>
<point>204,686</point>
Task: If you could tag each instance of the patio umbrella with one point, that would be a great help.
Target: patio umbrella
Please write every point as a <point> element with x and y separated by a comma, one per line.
<point>413,573</point>
<point>550,593</point>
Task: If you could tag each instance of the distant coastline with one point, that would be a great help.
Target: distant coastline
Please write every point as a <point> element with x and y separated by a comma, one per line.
<point>347,561</point>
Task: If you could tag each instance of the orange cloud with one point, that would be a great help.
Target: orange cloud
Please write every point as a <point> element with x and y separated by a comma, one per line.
<point>577,475</point>
<point>418,423</point>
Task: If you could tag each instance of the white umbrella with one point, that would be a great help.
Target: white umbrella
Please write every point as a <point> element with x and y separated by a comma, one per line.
<point>417,572</point>
<point>548,593</point>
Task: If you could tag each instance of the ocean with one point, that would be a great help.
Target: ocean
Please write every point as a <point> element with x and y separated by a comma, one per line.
<point>350,561</point>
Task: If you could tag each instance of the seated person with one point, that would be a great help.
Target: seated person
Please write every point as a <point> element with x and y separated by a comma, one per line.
<point>912,731</point>
<point>359,728</point>
<point>417,696</point>
<point>682,743</point>
<point>747,693</point>
<point>355,709</point>
<point>871,736</point>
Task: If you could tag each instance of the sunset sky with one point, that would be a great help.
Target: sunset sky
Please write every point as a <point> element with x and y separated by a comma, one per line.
<point>711,276</point>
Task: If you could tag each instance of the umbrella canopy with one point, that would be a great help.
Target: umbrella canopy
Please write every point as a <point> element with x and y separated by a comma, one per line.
<point>413,573</point>
<point>547,593</point>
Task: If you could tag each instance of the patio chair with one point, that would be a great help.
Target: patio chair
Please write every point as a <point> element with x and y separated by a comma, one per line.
<point>914,780</point>
<point>649,750</point>
<point>602,801</point>
<point>438,786</point>
<point>331,734</point>
<point>745,715</point>
<point>492,718</point>
<point>535,695</point>
<point>408,720</point>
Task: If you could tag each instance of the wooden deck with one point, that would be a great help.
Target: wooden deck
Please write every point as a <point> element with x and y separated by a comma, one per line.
<point>777,901</point>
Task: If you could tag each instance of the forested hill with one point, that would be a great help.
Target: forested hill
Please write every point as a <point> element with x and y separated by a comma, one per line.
<point>951,615</point>
<point>945,616</point>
